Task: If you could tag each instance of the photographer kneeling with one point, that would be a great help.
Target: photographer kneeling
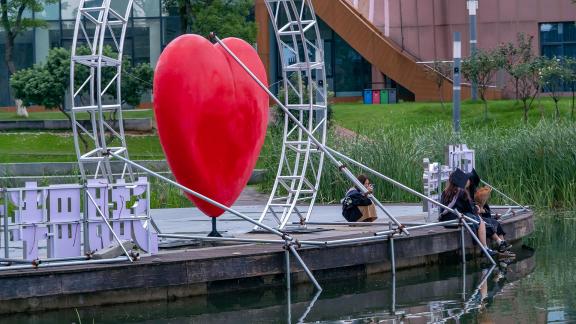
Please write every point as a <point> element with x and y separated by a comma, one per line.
<point>356,206</point>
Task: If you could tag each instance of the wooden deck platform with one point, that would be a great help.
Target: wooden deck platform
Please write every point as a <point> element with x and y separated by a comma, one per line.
<point>191,272</point>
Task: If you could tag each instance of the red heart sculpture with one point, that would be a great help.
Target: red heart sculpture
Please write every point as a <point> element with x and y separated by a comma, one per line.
<point>211,116</point>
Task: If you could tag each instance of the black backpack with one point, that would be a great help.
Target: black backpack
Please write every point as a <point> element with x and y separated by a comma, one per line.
<point>350,209</point>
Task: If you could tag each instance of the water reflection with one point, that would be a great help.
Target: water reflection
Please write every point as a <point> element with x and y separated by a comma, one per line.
<point>548,294</point>
<point>432,294</point>
<point>537,288</point>
<point>438,301</point>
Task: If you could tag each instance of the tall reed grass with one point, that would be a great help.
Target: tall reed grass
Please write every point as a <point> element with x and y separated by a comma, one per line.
<point>535,165</point>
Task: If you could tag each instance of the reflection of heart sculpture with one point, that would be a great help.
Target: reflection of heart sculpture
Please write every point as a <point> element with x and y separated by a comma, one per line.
<point>211,116</point>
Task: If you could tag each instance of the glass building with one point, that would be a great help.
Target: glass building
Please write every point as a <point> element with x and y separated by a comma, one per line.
<point>150,29</point>
<point>342,62</point>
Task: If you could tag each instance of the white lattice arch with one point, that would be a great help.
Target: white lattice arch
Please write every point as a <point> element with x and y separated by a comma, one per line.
<point>99,24</point>
<point>305,93</point>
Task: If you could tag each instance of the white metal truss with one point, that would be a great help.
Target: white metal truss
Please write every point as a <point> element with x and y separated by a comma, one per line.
<point>305,93</point>
<point>95,86</point>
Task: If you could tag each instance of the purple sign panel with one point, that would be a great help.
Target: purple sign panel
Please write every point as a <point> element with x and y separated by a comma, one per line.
<point>50,218</point>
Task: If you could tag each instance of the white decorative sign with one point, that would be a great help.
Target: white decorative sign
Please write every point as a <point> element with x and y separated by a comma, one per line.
<point>51,219</point>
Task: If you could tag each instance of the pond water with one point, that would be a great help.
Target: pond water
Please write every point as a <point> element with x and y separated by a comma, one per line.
<point>539,287</point>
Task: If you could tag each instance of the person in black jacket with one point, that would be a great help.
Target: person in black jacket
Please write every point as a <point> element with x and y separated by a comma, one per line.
<point>494,229</point>
<point>456,196</point>
<point>356,206</point>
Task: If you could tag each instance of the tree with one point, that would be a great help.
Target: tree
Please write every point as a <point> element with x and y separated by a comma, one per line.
<point>437,72</point>
<point>570,64</point>
<point>136,81</point>
<point>527,83</point>
<point>224,17</point>
<point>14,22</point>
<point>514,55</point>
<point>553,76</point>
<point>480,68</point>
<point>46,84</point>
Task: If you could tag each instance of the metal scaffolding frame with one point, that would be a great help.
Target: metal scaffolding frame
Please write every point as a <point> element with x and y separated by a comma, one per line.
<point>318,144</point>
<point>305,94</point>
<point>95,86</point>
<point>287,240</point>
<point>332,154</point>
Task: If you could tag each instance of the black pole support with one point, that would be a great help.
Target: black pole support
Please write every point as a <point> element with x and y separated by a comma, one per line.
<point>214,232</point>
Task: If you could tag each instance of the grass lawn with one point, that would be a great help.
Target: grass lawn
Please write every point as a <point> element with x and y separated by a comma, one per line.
<point>501,113</point>
<point>55,114</point>
<point>59,147</point>
<point>31,146</point>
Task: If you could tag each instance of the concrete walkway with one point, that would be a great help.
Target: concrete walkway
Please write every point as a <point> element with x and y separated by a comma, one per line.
<point>192,221</point>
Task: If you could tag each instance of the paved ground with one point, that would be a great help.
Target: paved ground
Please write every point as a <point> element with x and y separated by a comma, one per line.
<point>251,196</point>
<point>251,203</point>
<point>192,221</point>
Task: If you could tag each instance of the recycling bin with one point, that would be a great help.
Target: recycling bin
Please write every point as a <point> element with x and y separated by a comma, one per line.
<point>367,96</point>
<point>392,96</point>
<point>384,96</point>
<point>376,97</point>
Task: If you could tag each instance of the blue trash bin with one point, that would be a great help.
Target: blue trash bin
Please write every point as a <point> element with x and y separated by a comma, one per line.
<point>367,96</point>
<point>392,96</point>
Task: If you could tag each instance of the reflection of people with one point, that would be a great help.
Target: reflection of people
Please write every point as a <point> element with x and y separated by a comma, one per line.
<point>356,206</point>
<point>457,196</point>
<point>489,291</point>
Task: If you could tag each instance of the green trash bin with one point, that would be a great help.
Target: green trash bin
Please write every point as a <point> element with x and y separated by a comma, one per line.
<point>384,96</point>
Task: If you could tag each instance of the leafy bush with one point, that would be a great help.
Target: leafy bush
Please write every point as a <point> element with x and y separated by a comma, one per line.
<point>480,68</point>
<point>553,76</point>
<point>46,84</point>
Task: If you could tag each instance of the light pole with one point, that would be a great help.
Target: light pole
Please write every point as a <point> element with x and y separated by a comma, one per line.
<point>457,54</point>
<point>472,6</point>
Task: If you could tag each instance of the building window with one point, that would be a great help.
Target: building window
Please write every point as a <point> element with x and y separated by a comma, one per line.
<point>23,58</point>
<point>352,72</point>
<point>146,34</point>
<point>148,8</point>
<point>69,8</point>
<point>45,39</point>
<point>119,6</point>
<point>558,39</point>
<point>170,29</point>
<point>328,45</point>
<point>51,12</point>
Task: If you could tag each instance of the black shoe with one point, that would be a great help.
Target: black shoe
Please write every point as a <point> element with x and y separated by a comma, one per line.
<point>504,246</point>
<point>492,253</point>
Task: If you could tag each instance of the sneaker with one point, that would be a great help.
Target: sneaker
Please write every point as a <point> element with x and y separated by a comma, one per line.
<point>499,275</point>
<point>508,254</point>
<point>504,246</point>
<point>492,252</point>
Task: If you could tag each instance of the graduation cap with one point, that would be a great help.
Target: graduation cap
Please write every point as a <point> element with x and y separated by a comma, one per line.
<point>459,178</point>
<point>474,178</point>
